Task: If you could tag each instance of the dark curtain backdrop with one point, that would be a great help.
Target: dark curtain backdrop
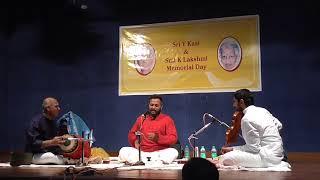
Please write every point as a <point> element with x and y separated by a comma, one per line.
<point>72,54</point>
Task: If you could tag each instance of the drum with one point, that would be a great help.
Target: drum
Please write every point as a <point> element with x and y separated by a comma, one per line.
<point>72,148</point>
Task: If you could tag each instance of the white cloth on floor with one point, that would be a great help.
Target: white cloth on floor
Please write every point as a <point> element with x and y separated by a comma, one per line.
<point>283,166</point>
<point>47,158</point>
<point>131,155</point>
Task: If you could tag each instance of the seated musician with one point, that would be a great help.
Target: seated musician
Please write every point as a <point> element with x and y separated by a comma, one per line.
<point>260,130</point>
<point>157,131</point>
<point>42,136</point>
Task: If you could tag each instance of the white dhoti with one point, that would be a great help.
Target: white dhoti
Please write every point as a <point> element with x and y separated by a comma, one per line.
<point>47,158</point>
<point>250,160</point>
<point>131,155</point>
<point>241,158</point>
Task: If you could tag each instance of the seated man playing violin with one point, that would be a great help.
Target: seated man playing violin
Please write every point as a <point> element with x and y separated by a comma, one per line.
<point>260,131</point>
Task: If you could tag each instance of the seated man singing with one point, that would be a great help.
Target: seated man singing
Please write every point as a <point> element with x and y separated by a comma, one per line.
<point>158,133</point>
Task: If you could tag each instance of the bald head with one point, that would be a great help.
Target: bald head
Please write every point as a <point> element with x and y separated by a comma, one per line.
<point>50,107</point>
<point>47,101</point>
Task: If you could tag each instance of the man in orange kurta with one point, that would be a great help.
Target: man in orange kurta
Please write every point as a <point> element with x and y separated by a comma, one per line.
<point>158,133</point>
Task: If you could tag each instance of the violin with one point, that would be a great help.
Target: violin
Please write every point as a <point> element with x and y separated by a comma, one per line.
<point>233,131</point>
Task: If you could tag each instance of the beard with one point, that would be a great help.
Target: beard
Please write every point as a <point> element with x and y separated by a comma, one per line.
<point>154,113</point>
<point>238,108</point>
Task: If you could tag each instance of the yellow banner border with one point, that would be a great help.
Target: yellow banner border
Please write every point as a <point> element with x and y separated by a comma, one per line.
<point>259,88</point>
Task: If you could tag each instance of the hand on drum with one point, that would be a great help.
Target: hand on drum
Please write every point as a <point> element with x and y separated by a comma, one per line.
<point>58,140</point>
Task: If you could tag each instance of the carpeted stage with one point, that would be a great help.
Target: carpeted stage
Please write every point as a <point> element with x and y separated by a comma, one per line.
<point>305,166</point>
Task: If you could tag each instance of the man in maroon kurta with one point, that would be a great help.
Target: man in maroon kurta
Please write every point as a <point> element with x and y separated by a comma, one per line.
<point>158,133</point>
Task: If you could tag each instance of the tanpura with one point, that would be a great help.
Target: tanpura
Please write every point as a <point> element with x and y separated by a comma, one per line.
<point>233,131</point>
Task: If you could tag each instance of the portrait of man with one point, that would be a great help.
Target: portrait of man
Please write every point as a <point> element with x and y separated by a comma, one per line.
<point>146,61</point>
<point>229,54</point>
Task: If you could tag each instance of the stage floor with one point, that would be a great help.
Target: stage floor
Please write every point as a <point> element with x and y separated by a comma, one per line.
<point>304,166</point>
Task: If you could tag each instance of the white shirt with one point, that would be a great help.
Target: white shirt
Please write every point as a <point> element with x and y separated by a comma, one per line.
<point>260,131</point>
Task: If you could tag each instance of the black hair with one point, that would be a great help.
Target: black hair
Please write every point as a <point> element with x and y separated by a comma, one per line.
<point>246,95</point>
<point>199,168</point>
<point>156,97</point>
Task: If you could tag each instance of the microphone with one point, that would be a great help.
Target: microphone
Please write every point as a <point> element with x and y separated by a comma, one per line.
<point>203,128</point>
<point>211,116</point>
<point>144,115</point>
<point>215,119</point>
<point>138,133</point>
<point>206,125</point>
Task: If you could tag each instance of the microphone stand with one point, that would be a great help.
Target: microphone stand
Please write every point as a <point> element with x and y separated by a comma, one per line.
<point>193,136</point>
<point>138,134</point>
<point>140,162</point>
<point>221,123</point>
<point>82,149</point>
<point>82,163</point>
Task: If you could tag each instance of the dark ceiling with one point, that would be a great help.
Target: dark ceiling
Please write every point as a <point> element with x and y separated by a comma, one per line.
<point>67,20</point>
<point>135,11</point>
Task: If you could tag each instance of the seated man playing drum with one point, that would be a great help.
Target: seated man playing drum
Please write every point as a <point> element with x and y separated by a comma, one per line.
<point>50,141</point>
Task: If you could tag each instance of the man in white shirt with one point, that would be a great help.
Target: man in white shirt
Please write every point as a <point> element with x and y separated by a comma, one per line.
<point>260,131</point>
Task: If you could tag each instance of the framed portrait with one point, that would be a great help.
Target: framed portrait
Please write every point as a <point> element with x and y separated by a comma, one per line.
<point>147,61</point>
<point>229,54</point>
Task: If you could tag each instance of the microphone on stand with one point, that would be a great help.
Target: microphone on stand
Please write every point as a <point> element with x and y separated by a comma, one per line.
<point>138,134</point>
<point>200,130</point>
<point>221,123</point>
<point>193,136</point>
<point>216,119</point>
<point>144,115</point>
